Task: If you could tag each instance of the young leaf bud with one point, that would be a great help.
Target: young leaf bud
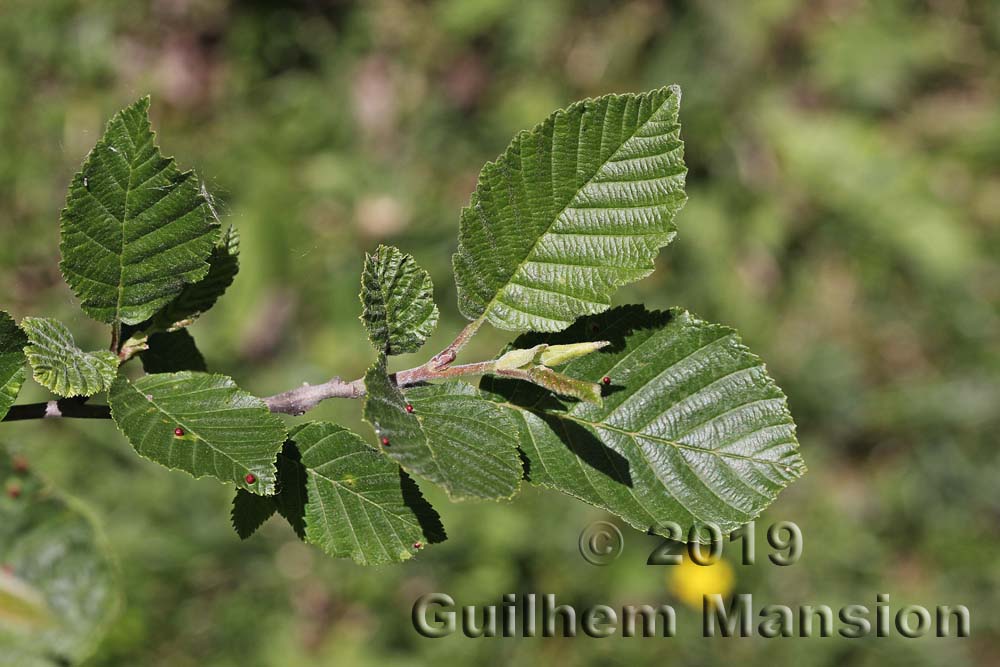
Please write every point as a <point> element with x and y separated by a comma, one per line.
<point>556,355</point>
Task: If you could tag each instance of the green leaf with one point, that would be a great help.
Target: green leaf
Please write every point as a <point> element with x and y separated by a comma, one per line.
<point>572,210</point>
<point>135,229</point>
<point>691,429</point>
<point>453,437</point>
<point>352,501</point>
<point>171,351</point>
<point>58,585</point>
<point>199,297</point>
<point>291,497</point>
<point>226,433</point>
<point>397,299</point>
<point>12,342</point>
<point>250,511</point>
<point>62,367</point>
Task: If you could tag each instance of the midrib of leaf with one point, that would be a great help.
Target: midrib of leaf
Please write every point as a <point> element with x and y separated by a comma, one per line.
<point>429,430</point>
<point>340,485</point>
<point>326,520</point>
<point>368,518</point>
<point>564,417</point>
<point>639,434</point>
<point>315,474</point>
<point>548,230</point>
<point>121,254</point>
<point>676,448</point>
<point>636,436</point>
<point>582,468</point>
<point>185,426</point>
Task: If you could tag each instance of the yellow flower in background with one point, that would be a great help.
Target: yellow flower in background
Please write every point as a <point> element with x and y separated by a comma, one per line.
<point>691,582</point>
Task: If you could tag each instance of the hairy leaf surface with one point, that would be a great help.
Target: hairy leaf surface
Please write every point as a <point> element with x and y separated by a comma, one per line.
<point>397,299</point>
<point>12,342</point>
<point>226,432</point>
<point>135,229</point>
<point>691,429</point>
<point>573,209</point>
<point>453,437</point>
<point>62,367</point>
<point>58,585</point>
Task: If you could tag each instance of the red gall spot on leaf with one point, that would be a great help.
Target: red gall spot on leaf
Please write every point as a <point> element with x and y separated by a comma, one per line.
<point>14,491</point>
<point>385,441</point>
<point>20,464</point>
<point>250,478</point>
<point>179,432</point>
<point>606,380</point>
<point>409,408</point>
<point>418,545</point>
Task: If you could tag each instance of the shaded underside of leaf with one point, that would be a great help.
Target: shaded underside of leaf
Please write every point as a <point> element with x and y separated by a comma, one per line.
<point>12,342</point>
<point>397,298</point>
<point>135,229</point>
<point>225,432</point>
<point>250,511</point>
<point>574,208</point>
<point>691,430</point>
<point>59,588</point>
<point>171,351</point>
<point>453,436</point>
<point>62,367</point>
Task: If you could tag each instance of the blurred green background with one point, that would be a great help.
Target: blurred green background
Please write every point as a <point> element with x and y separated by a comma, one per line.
<point>844,204</point>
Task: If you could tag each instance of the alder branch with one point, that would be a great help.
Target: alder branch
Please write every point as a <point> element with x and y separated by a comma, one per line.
<point>295,401</point>
<point>444,358</point>
<point>64,407</point>
<point>300,400</point>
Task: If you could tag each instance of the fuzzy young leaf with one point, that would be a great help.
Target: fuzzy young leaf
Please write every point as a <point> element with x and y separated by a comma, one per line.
<point>58,585</point>
<point>62,367</point>
<point>515,359</point>
<point>691,429</point>
<point>12,342</point>
<point>135,229</point>
<point>572,210</point>
<point>223,432</point>
<point>397,299</point>
<point>562,384</point>
<point>557,355</point>
<point>453,437</point>
<point>352,501</point>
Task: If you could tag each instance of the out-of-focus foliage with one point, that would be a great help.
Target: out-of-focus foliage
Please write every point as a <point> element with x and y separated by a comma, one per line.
<point>843,207</point>
<point>58,584</point>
